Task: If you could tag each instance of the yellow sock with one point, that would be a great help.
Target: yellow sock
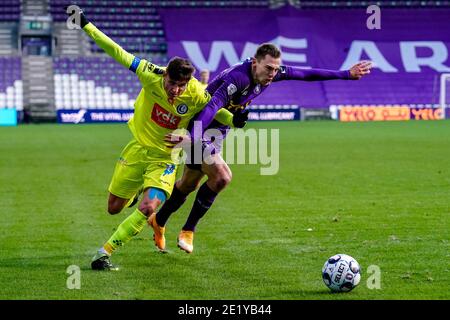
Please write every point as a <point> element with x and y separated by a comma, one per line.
<point>130,227</point>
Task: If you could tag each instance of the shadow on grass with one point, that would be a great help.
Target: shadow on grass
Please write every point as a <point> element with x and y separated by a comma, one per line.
<point>319,294</point>
<point>35,262</point>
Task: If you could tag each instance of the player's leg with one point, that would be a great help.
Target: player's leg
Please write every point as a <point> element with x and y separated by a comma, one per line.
<point>131,202</point>
<point>188,183</point>
<point>116,204</point>
<point>219,176</point>
<point>160,176</point>
<point>126,182</point>
<point>130,227</point>
<point>124,187</point>
<point>157,181</point>
<point>152,199</point>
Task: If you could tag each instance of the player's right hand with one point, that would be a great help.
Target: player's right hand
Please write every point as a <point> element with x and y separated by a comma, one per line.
<point>73,11</point>
<point>179,140</point>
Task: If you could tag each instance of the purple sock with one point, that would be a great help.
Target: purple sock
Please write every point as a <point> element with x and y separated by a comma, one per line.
<point>203,201</point>
<point>171,205</point>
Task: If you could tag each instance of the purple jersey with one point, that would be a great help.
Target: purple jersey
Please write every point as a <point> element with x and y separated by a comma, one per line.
<point>234,89</point>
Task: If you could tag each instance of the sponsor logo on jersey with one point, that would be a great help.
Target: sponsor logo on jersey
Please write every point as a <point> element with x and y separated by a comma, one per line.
<point>231,89</point>
<point>182,108</point>
<point>170,168</point>
<point>233,107</point>
<point>164,118</point>
<point>257,89</point>
<point>154,68</point>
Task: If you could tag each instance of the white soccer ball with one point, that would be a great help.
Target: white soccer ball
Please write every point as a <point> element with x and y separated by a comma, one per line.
<point>341,273</point>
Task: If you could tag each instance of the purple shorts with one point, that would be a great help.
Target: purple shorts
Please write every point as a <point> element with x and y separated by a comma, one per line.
<point>212,142</point>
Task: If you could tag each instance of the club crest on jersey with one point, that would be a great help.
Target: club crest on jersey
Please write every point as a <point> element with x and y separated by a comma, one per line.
<point>231,89</point>
<point>257,89</point>
<point>182,109</point>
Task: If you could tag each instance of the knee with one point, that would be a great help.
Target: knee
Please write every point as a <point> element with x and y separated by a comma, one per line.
<point>222,180</point>
<point>114,206</point>
<point>114,209</point>
<point>153,198</point>
<point>146,209</point>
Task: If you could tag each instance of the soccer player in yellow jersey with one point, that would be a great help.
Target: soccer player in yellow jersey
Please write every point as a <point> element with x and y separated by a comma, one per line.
<point>169,98</point>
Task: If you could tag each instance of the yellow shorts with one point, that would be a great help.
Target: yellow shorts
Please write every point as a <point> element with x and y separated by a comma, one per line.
<point>138,166</point>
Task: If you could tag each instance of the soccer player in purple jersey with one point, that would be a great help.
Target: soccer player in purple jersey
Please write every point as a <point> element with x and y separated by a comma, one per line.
<point>233,89</point>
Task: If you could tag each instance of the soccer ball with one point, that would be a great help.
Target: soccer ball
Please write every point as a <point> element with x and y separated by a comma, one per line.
<point>341,273</point>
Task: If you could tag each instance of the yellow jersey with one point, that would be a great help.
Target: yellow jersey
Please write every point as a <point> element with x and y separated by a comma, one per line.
<point>154,116</point>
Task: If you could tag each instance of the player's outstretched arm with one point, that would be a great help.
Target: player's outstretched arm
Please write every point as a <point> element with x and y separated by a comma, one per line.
<point>295,73</point>
<point>114,50</point>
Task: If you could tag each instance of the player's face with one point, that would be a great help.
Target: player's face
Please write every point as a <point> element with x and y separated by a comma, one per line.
<point>266,69</point>
<point>174,88</point>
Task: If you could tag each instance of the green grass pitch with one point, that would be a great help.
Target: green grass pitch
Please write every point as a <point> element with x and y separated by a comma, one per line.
<point>376,191</point>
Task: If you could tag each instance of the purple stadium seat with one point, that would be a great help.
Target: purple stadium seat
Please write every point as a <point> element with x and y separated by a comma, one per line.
<point>9,10</point>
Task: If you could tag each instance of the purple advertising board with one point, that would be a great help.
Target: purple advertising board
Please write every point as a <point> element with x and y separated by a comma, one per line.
<point>80,116</point>
<point>409,51</point>
<point>94,115</point>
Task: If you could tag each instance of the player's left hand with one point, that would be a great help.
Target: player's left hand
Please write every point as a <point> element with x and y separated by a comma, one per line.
<point>360,69</point>
<point>240,118</point>
<point>173,139</point>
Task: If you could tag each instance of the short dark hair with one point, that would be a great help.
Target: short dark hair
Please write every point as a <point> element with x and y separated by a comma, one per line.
<point>267,49</point>
<point>180,69</point>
